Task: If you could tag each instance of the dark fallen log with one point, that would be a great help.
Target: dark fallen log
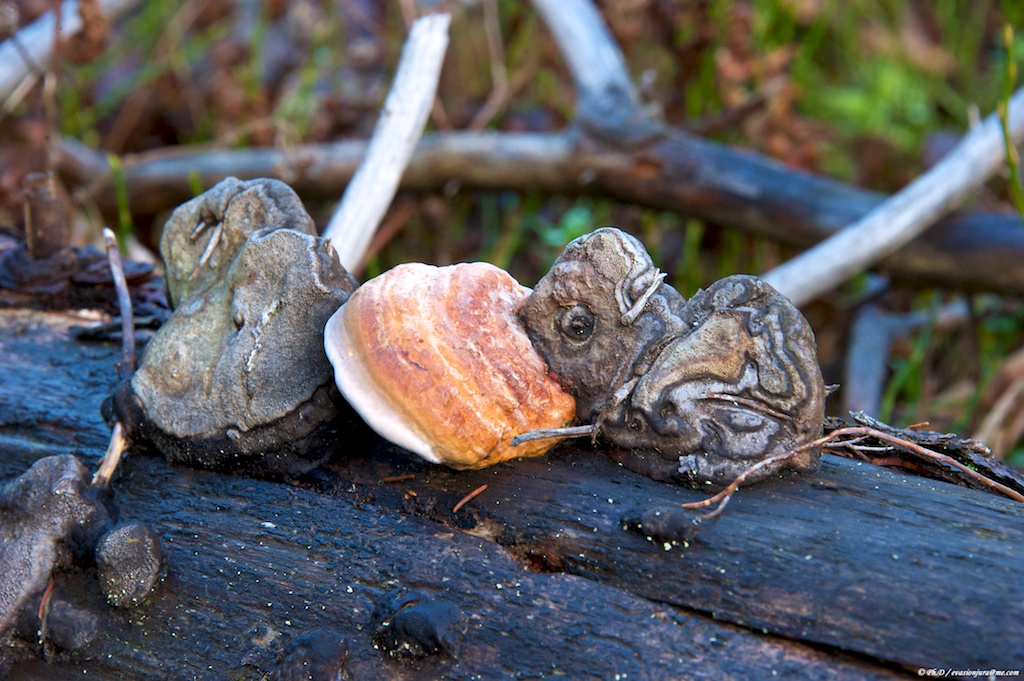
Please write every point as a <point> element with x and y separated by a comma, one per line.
<point>251,563</point>
<point>845,572</point>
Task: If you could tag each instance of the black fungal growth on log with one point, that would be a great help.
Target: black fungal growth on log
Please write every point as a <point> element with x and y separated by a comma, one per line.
<point>887,570</point>
<point>317,655</point>
<point>406,622</point>
<point>128,560</point>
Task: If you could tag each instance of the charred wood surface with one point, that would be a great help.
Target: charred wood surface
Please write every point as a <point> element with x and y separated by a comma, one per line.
<point>845,573</point>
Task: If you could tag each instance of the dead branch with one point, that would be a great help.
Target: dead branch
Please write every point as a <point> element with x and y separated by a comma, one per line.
<point>680,173</point>
<point>607,106</point>
<point>614,151</point>
<point>870,556</point>
<point>399,128</point>
<point>976,467</point>
<point>904,215</point>
<point>27,51</point>
<point>872,335</point>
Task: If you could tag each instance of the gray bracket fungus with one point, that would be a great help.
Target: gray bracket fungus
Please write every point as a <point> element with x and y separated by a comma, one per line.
<point>238,376</point>
<point>700,390</point>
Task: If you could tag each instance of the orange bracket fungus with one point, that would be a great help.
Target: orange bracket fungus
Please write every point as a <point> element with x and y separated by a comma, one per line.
<point>436,360</point>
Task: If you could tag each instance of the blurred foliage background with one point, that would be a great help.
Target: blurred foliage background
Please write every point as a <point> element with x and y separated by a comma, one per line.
<point>871,92</point>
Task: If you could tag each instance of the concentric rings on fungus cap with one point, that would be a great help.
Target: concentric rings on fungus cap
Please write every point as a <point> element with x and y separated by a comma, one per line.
<point>435,360</point>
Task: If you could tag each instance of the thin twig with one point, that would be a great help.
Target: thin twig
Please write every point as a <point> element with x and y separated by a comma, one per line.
<point>469,497</point>
<point>396,135</point>
<point>904,215</point>
<point>33,44</point>
<point>712,514</point>
<point>124,302</point>
<point>45,606</point>
<point>399,478</point>
<point>118,443</point>
<point>499,73</point>
<point>390,227</point>
<point>551,433</point>
<point>44,602</point>
<point>860,431</point>
<point>735,484</point>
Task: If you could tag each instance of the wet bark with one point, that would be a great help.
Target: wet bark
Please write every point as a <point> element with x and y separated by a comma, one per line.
<point>848,572</point>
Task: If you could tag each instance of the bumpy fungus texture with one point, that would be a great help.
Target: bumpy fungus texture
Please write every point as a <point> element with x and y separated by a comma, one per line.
<point>701,389</point>
<point>317,655</point>
<point>128,562</point>
<point>45,515</point>
<point>435,360</point>
<point>52,518</point>
<point>410,623</point>
<point>237,375</point>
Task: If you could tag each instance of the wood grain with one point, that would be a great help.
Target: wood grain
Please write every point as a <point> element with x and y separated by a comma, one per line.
<point>851,572</point>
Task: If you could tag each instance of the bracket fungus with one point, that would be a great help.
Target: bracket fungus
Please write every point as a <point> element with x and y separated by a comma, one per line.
<point>237,375</point>
<point>702,389</point>
<point>435,359</point>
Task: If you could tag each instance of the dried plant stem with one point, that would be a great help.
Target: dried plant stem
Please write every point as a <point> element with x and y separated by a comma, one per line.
<point>45,605</point>
<point>857,431</point>
<point>551,433</point>
<point>903,216</point>
<point>395,137</point>
<point>1012,157</point>
<point>726,493</point>
<point>398,478</point>
<point>469,497</point>
<point>124,302</point>
<point>118,442</point>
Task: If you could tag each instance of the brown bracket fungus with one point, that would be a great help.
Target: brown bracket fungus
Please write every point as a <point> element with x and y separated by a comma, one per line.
<point>435,359</point>
<point>237,375</point>
<point>701,389</point>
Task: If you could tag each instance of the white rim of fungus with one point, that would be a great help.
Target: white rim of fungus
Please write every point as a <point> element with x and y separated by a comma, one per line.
<point>361,391</point>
